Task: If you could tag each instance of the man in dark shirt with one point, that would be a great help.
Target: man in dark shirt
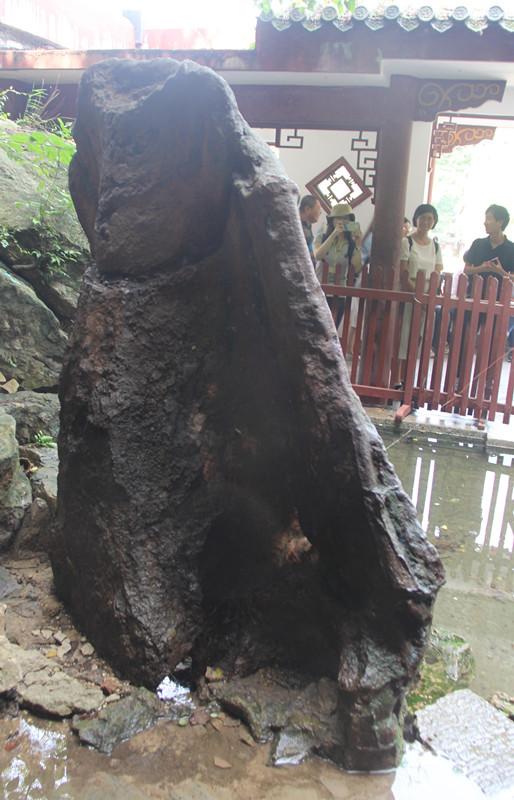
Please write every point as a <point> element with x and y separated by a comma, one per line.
<point>492,256</point>
<point>310,210</point>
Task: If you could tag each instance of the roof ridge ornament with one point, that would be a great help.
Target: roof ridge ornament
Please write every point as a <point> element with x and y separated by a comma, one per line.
<point>375,18</point>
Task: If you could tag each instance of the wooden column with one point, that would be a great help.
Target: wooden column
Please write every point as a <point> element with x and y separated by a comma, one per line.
<point>392,172</point>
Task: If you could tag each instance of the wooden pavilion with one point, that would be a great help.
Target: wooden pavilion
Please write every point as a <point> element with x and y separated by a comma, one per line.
<point>365,71</point>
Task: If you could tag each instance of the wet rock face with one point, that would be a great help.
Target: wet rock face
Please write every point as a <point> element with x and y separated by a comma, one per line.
<point>221,492</point>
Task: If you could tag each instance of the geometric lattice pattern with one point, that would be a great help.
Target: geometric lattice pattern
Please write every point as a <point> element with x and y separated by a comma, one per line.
<point>365,145</point>
<point>338,183</point>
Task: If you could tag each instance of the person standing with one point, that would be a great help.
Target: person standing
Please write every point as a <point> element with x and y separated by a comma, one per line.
<point>492,256</point>
<point>419,251</point>
<point>310,211</point>
<point>339,248</point>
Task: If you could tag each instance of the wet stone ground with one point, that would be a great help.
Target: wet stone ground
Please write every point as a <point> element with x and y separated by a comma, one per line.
<point>464,503</point>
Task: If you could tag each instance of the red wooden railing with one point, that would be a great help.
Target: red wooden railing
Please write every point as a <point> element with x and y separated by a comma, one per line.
<point>465,375</point>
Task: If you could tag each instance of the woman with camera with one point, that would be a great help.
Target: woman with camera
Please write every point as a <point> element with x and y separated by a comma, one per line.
<point>338,248</point>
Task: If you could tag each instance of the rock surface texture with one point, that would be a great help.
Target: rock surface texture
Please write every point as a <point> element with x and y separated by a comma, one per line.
<point>15,491</point>
<point>222,494</point>
<point>32,342</point>
<point>41,686</point>
<point>34,412</point>
<point>42,259</point>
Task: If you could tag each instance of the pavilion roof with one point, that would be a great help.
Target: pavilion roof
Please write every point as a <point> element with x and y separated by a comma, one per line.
<point>440,20</point>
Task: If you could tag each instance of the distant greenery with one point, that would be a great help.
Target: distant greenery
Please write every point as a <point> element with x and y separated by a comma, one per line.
<point>311,7</point>
<point>49,145</point>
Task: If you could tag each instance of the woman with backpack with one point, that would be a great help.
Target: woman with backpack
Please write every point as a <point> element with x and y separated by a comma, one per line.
<point>419,251</point>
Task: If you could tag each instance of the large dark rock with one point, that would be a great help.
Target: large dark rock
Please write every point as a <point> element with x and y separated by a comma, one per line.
<point>222,494</point>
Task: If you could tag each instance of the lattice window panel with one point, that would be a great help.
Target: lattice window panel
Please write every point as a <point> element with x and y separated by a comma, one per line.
<point>339,183</point>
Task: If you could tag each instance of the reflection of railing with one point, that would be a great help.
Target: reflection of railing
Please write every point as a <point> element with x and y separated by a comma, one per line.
<point>465,373</point>
<point>467,513</point>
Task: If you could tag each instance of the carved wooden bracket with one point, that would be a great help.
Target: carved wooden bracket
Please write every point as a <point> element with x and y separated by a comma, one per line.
<point>448,135</point>
<point>436,96</point>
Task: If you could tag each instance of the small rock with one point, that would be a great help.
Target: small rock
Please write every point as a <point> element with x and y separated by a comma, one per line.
<point>291,747</point>
<point>221,763</point>
<point>64,648</point>
<point>245,738</point>
<point>119,721</point>
<point>87,649</point>
<point>200,717</point>
<point>231,722</point>
<point>111,685</point>
<point>183,721</point>
<point>8,584</point>
<point>2,378</point>
<point>59,637</point>
<point>504,703</point>
<point>51,606</point>
<point>41,686</point>
<point>213,674</point>
<point>46,633</point>
<point>112,698</point>
<point>217,724</point>
<point>11,387</point>
<point>52,653</point>
<point>36,633</point>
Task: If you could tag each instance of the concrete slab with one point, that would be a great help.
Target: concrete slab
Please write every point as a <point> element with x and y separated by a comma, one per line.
<point>477,738</point>
<point>446,429</point>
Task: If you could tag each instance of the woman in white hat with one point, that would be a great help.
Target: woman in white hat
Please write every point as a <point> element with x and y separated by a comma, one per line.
<point>339,247</point>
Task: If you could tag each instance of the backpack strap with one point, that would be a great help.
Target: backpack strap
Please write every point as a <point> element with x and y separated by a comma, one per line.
<point>436,244</point>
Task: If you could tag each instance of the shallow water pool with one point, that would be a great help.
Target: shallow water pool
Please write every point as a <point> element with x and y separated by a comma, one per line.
<point>465,504</point>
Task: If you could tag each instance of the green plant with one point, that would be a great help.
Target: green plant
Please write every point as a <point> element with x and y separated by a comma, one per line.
<point>54,253</point>
<point>49,145</point>
<point>310,7</point>
<point>44,440</point>
<point>50,154</point>
<point>50,251</point>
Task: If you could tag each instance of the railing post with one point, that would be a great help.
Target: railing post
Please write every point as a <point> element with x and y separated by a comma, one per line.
<point>437,373</point>
<point>468,348</point>
<point>484,349</point>
<point>500,326</point>
<point>455,345</point>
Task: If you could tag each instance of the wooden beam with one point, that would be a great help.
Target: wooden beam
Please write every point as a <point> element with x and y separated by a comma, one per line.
<point>313,107</point>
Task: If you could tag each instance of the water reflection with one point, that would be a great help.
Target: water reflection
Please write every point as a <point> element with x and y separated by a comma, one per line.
<point>424,776</point>
<point>465,504</point>
<point>46,766</point>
